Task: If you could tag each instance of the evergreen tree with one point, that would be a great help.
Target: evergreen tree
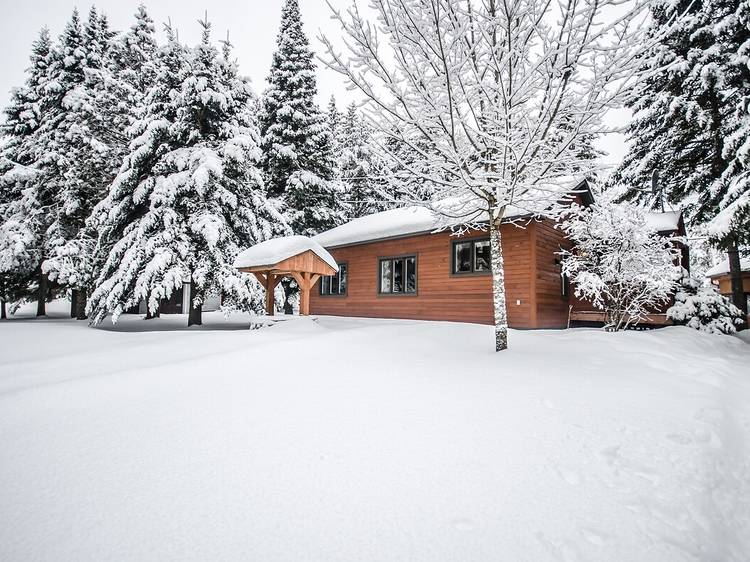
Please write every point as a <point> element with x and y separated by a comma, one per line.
<point>189,195</point>
<point>359,166</point>
<point>690,124</point>
<point>26,198</point>
<point>86,141</point>
<point>333,118</point>
<point>132,61</point>
<point>296,142</point>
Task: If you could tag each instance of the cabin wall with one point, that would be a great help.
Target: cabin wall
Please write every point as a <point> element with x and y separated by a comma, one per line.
<point>440,294</point>
<point>552,306</point>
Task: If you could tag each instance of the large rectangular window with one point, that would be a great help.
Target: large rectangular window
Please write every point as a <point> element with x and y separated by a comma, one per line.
<point>331,285</point>
<point>471,256</point>
<point>398,276</point>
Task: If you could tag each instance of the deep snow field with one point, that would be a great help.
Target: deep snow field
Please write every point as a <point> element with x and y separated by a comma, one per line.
<point>369,440</point>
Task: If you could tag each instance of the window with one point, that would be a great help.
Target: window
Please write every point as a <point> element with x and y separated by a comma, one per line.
<point>334,284</point>
<point>565,285</point>
<point>471,256</point>
<point>398,276</point>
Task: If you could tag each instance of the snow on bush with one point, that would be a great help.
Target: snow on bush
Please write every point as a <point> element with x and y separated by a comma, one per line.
<point>703,308</point>
<point>619,264</point>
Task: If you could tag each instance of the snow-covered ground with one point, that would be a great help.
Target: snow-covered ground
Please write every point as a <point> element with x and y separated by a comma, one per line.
<point>370,440</point>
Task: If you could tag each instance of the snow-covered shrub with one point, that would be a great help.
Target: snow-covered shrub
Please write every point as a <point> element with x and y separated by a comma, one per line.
<point>703,308</point>
<point>618,263</point>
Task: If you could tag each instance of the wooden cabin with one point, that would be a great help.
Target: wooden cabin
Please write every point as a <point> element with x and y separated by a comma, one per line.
<point>394,265</point>
<point>722,280</point>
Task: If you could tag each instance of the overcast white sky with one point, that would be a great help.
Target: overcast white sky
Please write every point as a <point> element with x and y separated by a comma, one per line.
<point>252,25</point>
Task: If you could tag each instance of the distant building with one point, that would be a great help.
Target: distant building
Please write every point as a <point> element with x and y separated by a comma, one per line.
<point>722,280</point>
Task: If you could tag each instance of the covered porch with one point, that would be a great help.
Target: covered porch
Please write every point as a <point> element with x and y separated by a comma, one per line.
<point>298,257</point>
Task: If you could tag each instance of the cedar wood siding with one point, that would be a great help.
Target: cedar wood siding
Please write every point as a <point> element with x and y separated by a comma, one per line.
<point>444,296</point>
<point>552,308</point>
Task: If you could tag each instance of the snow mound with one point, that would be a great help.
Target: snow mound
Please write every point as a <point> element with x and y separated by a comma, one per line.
<point>276,250</point>
<point>722,267</point>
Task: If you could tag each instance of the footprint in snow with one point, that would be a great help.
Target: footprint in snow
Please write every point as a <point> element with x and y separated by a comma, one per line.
<point>593,536</point>
<point>570,476</point>
<point>681,438</point>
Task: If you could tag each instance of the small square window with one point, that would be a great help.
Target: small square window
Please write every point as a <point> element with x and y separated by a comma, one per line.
<point>398,275</point>
<point>334,284</point>
<point>471,256</point>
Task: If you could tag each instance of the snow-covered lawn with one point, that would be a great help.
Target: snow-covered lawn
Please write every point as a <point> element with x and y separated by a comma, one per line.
<point>370,440</point>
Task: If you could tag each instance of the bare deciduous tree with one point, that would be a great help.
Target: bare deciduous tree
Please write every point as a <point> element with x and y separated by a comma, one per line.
<point>495,95</point>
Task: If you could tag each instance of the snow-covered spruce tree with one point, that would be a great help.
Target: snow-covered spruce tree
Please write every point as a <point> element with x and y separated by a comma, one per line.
<point>132,62</point>
<point>703,308</point>
<point>83,142</point>
<point>190,194</point>
<point>691,123</point>
<point>500,94</point>
<point>27,202</point>
<point>297,158</point>
<point>618,263</point>
<point>333,119</point>
<point>359,166</point>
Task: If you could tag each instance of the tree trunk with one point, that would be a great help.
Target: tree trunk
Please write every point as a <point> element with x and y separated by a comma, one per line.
<point>735,274</point>
<point>73,302</point>
<point>195,314</point>
<point>41,294</point>
<point>288,293</point>
<point>3,312</point>
<point>498,286</point>
<point>81,301</point>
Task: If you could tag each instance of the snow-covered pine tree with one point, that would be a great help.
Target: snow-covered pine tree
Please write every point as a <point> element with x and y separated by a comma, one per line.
<point>26,198</point>
<point>132,62</point>
<point>730,228</point>
<point>691,122</point>
<point>703,308</point>
<point>359,167</point>
<point>297,157</point>
<point>676,130</point>
<point>333,118</point>
<point>190,194</point>
<point>82,142</point>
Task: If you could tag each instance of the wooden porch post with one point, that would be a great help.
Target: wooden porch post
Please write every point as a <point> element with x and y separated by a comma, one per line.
<point>305,280</point>
<point>270,286</point>
<point>269,281</point>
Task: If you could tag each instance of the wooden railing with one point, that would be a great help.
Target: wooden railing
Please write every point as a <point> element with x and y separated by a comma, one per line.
<point>655,319</point>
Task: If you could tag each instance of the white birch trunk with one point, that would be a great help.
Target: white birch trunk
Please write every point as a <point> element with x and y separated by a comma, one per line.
<point>498,286</point>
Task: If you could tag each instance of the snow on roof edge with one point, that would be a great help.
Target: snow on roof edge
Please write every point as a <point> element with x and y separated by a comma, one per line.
<point>276,250</point>
<point>664,221</point>
<point>722,268</point>
<point>394,223</point>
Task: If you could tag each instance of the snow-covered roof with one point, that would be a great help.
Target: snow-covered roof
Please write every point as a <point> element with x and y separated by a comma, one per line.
<point>403,221</point>
<point>722,268</point>
<point>663,222</point>
<point>277,250</point>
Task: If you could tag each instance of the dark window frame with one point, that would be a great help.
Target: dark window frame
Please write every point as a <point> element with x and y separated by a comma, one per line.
<point>473,271</point>
<point>338,274</point>
<point>382,259</point>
